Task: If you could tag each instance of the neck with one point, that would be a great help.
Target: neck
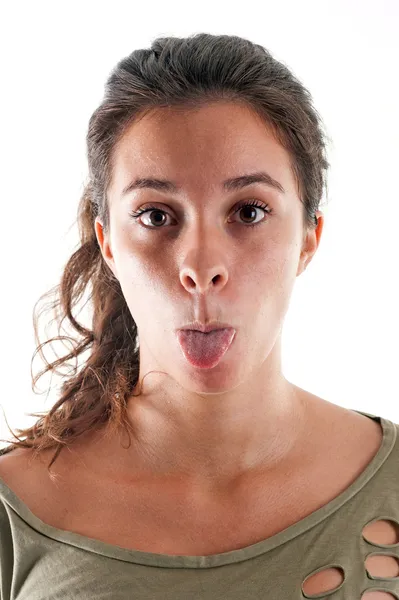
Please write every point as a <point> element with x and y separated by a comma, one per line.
<point>214,447</point>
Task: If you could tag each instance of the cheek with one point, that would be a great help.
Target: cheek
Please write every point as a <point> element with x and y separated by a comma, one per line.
<point>273,266</point>
<point>270,283</point>
<point>144,283</point>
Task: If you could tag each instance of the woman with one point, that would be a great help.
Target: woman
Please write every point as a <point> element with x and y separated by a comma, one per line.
<point>207,167</point>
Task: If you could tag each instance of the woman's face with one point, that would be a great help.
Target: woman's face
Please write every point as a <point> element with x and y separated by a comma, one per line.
<point>200,258</point>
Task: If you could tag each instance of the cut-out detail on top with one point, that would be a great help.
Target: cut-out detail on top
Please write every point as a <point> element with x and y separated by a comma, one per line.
<point>378,594</point>
<point>324,580</point>
<point>382,531</point>
<point>382,566</point>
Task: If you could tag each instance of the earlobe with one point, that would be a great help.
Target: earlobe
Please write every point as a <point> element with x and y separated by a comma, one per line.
<point>98,228</point>
<point>104,245</point>
<point>312,241</point>
<point>303,263</point>
<point>101,238</point>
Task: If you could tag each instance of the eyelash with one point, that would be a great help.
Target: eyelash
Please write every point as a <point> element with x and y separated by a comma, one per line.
<point>255,203</point>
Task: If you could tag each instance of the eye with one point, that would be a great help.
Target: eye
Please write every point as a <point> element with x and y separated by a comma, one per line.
<point>243,206</point>
<point>150,209</point>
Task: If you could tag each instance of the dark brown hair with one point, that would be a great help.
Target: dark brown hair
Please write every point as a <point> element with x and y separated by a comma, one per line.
<point>174,72</point>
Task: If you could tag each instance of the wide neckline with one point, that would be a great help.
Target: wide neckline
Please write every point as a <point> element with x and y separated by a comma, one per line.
<point>213,560</point>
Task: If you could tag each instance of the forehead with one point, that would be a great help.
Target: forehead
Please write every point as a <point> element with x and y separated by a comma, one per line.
<point>200,147</point>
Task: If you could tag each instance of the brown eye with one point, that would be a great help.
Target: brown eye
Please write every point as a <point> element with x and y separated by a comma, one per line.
<point>157,220</point>
<point>156,217</point>
<point>247,208</point>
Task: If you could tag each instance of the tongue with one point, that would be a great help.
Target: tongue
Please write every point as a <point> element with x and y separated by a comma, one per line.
<point>205,350</point>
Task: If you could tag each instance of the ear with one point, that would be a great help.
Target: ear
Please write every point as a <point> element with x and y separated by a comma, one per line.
<point>103,241</point>
<point>311,243</point>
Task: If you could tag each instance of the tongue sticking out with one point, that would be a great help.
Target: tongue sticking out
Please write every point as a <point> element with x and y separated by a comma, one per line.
<point>204,350</point>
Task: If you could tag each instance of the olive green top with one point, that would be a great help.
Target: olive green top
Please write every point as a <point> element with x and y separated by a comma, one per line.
<point>40,562</point>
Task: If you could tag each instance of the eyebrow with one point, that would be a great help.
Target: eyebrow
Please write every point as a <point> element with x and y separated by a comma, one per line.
<point>232,184</point>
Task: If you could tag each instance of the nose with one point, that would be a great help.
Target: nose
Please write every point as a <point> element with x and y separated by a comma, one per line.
<point>193,281</point>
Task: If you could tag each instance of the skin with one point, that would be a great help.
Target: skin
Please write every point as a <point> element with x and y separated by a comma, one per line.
<point>208,427</point>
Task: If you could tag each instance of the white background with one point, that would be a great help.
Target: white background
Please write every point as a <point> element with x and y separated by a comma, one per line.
<point>342,329</point>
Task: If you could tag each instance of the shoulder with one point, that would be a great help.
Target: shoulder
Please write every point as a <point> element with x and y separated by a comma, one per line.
<point>11,460</point>
<point>26,475</point>
<point>49,495</point>
<point>14,467</point>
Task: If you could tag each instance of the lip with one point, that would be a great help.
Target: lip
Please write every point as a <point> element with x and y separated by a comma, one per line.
<point>212,326</point>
